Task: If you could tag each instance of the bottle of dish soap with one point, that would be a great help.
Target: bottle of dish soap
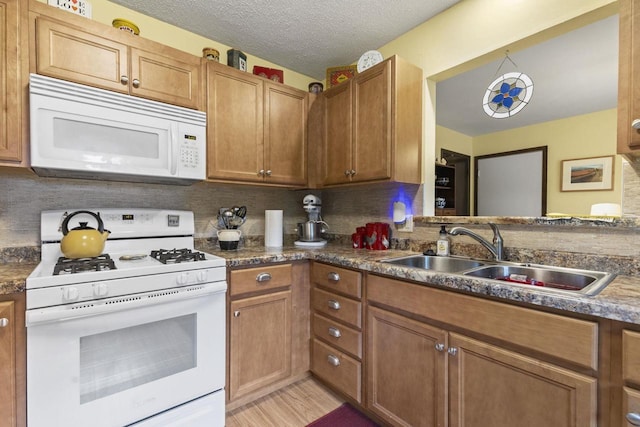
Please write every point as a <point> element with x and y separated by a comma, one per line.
<point>443,244</point>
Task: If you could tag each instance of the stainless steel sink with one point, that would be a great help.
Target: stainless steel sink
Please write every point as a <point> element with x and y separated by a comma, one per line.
<point>550,278</point>
<point>436,263</point>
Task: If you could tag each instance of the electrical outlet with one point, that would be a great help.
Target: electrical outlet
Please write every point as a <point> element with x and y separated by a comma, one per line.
<point>407,227</point>
<point>78,7</point>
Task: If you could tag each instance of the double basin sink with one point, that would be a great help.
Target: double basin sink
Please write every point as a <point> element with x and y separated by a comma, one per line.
<point>555,279</point>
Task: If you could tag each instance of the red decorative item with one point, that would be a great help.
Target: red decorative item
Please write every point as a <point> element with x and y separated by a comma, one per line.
<point>269,73</point>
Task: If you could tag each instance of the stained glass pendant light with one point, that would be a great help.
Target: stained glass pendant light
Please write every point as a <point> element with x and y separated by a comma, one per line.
<point>508,94</point>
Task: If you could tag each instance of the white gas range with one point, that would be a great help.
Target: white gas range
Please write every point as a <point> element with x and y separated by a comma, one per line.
<point>135,336</point>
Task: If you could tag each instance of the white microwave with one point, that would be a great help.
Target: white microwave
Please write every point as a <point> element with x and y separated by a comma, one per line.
<point>79,131</point>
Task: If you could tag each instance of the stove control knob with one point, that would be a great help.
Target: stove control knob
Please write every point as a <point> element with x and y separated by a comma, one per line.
<point>182,279</point>
<point>202,276</point>
<point>100,289</point>
<point>70,293</point>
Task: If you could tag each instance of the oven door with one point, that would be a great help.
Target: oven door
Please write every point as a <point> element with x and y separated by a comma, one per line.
<point>117,361</point>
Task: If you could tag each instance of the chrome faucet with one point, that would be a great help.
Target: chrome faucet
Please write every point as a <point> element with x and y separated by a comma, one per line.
<point>496,249</point>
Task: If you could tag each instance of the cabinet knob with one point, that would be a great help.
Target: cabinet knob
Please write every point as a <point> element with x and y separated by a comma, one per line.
<point>439,346</point>
<point>633,418</point>
<point>236,313</point>
<point>268,172</point>
<point>636,124</point>
<point>124,80</point>
<point>263,277</point>
<point>352,172</point>
<point>333,360</point>
<point>347,172</point>
<point>136,83</point>
<point>335,332</point>
<point>452,351</point>
<point>333,276</point>
<point>4,322</point>
<point>261,172</point>
<point>333,304</point>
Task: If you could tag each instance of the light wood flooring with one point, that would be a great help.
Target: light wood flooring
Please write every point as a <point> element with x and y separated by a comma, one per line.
<point>293,406</point>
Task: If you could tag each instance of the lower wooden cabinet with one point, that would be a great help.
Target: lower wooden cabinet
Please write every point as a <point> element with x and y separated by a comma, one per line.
<point>259,329</point>
<point>428,366</point>
<point>406,365</point>
<point>12,361</point>
<point>336,350</point>
<point>492,386</point>
<point>631,378</point>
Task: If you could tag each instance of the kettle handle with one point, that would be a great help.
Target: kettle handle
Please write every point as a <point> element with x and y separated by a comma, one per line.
<point>65,223</point>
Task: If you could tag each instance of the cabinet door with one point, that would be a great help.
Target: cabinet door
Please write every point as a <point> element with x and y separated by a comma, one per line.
<point>7,365</point>
<point>285,135</point>
<point>490,386</point>
<point>259,343</point>
<point>628,80</point>
<point>235,144</point>
<point>336,152</point>
<point>166,76</point>
<point>70,53</point>
<point>372,124</point>
<point>10,93</point>
<point>406,367</point>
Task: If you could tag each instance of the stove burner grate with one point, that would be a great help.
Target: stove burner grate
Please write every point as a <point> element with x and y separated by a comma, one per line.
<point>79,265</point>
<point>170,256</point>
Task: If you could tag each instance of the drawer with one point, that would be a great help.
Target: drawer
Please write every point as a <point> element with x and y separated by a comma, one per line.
<point>631,356</point>
<point>338,335</point>
<point>337,369</point>
<point>337,307</point>
<point>573,340</point>
<point>338,279</point>
<point>630,405</point>
<point>259,279</point>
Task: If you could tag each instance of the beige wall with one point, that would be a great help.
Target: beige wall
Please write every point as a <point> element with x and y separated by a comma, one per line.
<point>474,32</point>
<point>587,135</point>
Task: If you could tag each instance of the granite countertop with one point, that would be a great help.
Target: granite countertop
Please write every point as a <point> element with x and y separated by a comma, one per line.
<point>620,300</point>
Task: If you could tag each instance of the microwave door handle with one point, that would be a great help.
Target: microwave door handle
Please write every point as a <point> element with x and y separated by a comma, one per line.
<point>173,152</point>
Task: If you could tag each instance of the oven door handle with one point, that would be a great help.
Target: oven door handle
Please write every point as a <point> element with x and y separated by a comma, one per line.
<point>116,304</point>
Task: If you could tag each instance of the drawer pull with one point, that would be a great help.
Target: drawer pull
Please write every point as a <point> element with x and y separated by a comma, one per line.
<point>4,322</point>
<point>333,276</point>
<point>335,332</point>
<point>333,304</point>
<point>263,277</point>
<point>633,418</point>
<point>333,360</point>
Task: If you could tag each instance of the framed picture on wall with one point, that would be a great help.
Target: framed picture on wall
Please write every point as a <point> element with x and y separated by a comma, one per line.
<point>588,174</point>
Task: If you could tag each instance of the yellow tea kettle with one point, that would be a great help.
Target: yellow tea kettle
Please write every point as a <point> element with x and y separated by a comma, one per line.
<point>83,241</point>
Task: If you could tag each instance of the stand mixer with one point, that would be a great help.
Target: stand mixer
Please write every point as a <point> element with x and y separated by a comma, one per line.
<point>309,232</point>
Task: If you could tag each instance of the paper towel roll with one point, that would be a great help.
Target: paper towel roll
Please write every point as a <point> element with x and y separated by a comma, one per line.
<point>273,228</point>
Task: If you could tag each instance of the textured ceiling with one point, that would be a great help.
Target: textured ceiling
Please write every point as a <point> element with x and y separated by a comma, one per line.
<point>306,36</point>
<point>576,73</point>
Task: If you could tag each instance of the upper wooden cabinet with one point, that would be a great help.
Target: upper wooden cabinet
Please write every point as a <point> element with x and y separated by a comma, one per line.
<point>629,79</point>
<point>256,129</point>
<point>12,70</point>
<point>373,126</point>
<point>84,51</point>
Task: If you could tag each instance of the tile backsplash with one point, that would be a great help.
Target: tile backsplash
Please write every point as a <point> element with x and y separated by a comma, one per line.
<point>23,195</point>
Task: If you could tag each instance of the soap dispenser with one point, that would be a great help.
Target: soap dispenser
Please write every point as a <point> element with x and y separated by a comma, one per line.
<point>443,245</point>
